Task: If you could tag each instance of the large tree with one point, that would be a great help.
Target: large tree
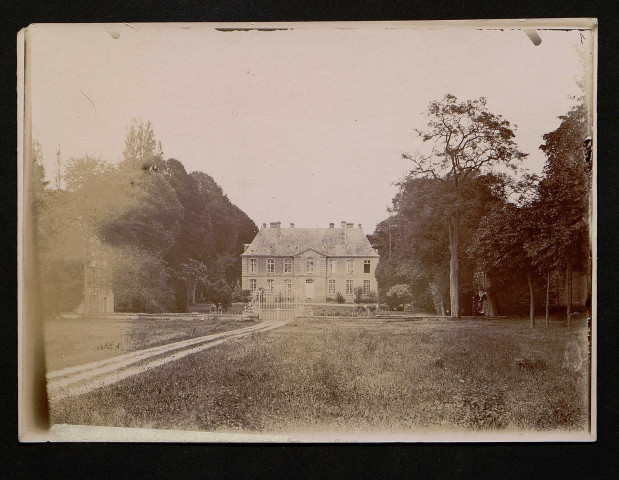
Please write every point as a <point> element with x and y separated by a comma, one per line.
<point>163,232</point>
<point>141,146</point>
<point>420,236</point>
<point>563,198</point>
<point>463,139</point>
<point>212,231</point>
<point>499,247</point>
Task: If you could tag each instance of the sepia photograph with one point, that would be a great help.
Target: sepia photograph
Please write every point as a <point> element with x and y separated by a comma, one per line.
<point>308,232</point>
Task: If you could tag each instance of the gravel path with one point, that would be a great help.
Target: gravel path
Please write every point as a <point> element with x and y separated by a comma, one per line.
<point>81,379</point>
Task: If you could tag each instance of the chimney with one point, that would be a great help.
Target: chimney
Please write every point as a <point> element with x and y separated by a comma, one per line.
<point>350,225</point>
<point>359,226</point>
<point>273,224</point>
<point>264,225</point>
<point>331,225</point>
<point>291,225</point>
<point>246,246</point>
<point>343,223</point>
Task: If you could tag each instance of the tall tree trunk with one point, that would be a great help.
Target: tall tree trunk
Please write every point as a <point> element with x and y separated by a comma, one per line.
<point>548,299</point>
<point>531,300</point>
<point>453,266</point>
<point>568,294</point>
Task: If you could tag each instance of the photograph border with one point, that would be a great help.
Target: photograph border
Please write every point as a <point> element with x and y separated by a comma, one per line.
<point>454,460</point>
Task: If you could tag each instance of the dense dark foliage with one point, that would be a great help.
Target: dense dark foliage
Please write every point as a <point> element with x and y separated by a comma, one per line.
<point>463,139</point>
<point>158,232</point>
<point>526,239</point>
<point>419,234</point>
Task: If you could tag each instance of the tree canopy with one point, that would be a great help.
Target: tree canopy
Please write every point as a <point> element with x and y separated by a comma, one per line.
<point>465,140</point>
<point>420,236</point>
<point>161,231</point>
<point>519,235</point>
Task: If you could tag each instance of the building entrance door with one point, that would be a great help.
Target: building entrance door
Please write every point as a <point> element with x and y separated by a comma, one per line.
<point>309,288</point>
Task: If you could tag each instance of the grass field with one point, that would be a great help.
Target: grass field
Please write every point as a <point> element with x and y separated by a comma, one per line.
<point>360,375</point>
<point>74,341</point>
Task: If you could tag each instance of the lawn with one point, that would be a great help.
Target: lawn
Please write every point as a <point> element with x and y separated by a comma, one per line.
<point>360,375</point>
<point>74,341</point>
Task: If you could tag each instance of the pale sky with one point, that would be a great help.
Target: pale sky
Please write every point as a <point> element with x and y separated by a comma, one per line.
<point>305,125</point>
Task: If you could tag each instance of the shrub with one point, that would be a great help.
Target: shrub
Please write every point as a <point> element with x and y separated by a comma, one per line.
<point>372,308</point>
<point>340,298</point>
<point>358,291</point>
<point>220,293</point>
<point>239,295</point>
<point>399,295</point>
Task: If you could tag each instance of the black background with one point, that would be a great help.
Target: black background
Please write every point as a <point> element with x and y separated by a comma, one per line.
<point>558,460</point>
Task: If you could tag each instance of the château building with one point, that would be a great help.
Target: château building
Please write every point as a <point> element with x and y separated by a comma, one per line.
<point>314,264</point>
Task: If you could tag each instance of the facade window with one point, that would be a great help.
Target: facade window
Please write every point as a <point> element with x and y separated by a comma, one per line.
<point>349,287</point>
<point>332,266</point>
<point>310,265</point>
<point>349,266</point>
<point>366,286</point>
<point>287,285</point>
<point>252,285</point>
<point>270,285</point>
<point>331,287</point>
<point>288,265</point>
<point>252,265</point>
<point>366,266</point>
<point>270,265</point>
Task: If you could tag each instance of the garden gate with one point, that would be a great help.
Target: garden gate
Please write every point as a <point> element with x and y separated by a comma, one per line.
<point>276,306</point>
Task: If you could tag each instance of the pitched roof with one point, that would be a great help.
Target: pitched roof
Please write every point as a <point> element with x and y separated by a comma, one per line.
<point>333,242</point>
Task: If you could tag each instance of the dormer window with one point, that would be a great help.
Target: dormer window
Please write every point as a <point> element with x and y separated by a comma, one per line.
<point>296,248</point>
<point>349,248</point>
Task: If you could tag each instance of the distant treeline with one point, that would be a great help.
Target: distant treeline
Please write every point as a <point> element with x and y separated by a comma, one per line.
<point>518,240</point>
<point>148,230</point>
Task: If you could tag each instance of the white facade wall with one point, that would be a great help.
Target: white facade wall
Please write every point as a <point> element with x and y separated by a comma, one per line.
<point>319,277</point>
